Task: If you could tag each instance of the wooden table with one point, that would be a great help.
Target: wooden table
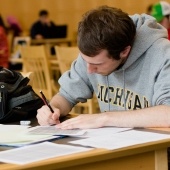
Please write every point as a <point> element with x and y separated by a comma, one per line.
<point>54,41</point>
<point>52,60</point>
<point>148,156</point>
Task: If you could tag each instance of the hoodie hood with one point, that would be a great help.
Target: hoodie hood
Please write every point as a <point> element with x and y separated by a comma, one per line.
<point>147,32</point>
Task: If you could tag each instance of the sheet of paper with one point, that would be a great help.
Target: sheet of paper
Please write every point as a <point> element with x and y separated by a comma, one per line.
<point>37,152</point>
<point>103,131</point>
<point>52,130</point>
<point>120,140</point>
<point>9,133</point>
<point>30,140</point>
<point>16,135</point>
<point>12,128</point>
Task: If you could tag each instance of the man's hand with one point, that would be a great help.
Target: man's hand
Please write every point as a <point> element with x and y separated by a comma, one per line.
<point>45,117</point>
<point>39,37</point>
<point>83,121</point>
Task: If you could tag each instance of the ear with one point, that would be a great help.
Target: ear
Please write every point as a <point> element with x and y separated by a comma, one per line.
<point>125,52</point>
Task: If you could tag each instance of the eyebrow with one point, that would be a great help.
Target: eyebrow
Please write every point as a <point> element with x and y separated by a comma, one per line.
<point>94,63</point>
<point>90,62</point>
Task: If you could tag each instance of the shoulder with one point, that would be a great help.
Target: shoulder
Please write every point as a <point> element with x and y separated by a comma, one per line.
<point>37,23</point>
<point>161,47</point>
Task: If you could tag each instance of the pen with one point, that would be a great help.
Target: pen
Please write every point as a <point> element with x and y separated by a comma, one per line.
<point>46,102</point>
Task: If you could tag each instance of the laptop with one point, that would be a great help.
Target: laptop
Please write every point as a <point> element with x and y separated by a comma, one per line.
<point>60,31</point>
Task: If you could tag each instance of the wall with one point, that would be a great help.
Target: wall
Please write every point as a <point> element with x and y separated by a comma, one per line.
<point>64,11</point>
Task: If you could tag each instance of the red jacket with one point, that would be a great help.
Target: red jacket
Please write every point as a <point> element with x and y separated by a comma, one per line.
<point>4,49</point>
<point>168,34</point>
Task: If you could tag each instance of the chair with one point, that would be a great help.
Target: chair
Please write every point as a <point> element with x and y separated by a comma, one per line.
<point>65,56</point>
<point>18,42</point>
<point>36,61</point>
<point>10,36</point>
<point>62,53</point>
<point>21,41</point>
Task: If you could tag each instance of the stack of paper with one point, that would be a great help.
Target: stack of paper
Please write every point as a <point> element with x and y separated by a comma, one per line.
<point>53,130</point>
<point>16,135</point>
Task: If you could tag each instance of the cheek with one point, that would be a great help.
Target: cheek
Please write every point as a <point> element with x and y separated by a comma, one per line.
<point>112,66</point>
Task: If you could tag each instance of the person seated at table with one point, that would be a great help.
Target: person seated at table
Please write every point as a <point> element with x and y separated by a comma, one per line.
<point>44,27</point>
<point>125,61</point>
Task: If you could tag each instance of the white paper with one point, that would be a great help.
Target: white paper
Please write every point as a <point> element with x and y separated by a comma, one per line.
<point>37,152</point>
<point>122,139</point>
<point>12,128</point>
<point>103,131</point>
<point>53,130</point>
<point>16,135</point>
<point>31,141</point>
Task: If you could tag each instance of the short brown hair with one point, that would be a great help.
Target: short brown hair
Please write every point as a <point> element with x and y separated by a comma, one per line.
<point>105,28</point>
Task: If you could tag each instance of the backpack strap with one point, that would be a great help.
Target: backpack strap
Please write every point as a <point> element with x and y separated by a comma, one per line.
<point>22,99</point>
<point>3,100</point>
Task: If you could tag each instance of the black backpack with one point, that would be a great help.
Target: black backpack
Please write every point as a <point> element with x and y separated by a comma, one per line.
<point>18,101</point>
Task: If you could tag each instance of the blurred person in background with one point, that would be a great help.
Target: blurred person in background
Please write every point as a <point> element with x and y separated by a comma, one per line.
<point>2,23</point>
<point>14,26</point>
<point>44,27</point>
<point>161,11</point>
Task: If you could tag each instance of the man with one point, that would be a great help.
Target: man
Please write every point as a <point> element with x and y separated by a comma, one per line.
<point>125,61</point>
<point>161,12</point>
<point>43,28</point>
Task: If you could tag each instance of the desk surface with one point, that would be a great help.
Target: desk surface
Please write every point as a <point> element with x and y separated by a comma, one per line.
<point>52,60</point>
<point>148,156</point>
<point>51,41</point>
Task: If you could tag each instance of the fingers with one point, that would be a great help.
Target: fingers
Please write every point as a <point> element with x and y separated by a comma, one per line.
<point>69,124</point>
<point>55,115</point>
<point>45,117</point>
<point>84,121</point>
<point>81,122</point>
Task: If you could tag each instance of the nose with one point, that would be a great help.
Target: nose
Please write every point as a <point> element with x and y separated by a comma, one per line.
<point>91,68</point>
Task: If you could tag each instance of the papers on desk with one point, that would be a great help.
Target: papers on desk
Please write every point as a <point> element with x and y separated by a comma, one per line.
<point>37,152</point>
<point>53,130</point>
<point>103,131</point>
<point>16,135</point>
<point>120,140</point>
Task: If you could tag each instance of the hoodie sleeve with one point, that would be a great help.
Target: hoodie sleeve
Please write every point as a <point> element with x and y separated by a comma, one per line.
<point>162,84</point>
<point>74,83</point>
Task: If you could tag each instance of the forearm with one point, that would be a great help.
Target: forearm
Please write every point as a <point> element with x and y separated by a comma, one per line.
<point>157,116</point>
<point>61,103</point>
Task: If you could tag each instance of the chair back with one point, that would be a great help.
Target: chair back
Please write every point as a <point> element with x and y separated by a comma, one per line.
<point>36,61</point>
<point>20,41</point>
<point>65,56</point>
<point>10,37</point>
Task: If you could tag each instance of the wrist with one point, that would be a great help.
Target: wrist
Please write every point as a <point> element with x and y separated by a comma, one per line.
<point>104,119</point>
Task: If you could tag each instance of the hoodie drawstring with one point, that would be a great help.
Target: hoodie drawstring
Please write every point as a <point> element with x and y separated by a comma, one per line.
<point>124,89</point>
<point>107,82</point>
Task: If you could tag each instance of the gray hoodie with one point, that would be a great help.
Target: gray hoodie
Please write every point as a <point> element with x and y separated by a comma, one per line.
<point>143,81</point>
